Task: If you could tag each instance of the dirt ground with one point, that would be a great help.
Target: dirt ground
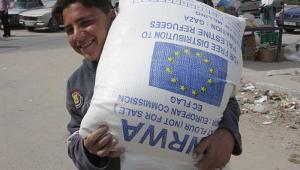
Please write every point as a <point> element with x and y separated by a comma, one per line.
<point>270,120</point>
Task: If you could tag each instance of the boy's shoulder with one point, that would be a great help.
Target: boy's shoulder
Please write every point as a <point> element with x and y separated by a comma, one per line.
<point>79,72</point>
<point>83,74</point>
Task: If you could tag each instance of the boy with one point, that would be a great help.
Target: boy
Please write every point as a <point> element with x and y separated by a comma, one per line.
<point>87,23</point>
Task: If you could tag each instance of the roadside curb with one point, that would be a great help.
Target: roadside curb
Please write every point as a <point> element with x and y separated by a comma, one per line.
<point>275,87</point>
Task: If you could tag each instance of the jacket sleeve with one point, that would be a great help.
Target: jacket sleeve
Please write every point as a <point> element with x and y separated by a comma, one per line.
<point>230,121</point>
<point>82,159</point>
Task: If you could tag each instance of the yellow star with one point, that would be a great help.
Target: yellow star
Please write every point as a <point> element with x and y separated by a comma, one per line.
<point>186,51</point>
<point>170,59</point>
<point>174,80</point>
<point>183,88</point>
<point>207,61</point>
<point>177,53</point>
<point>195,92</point>
<point>210,81</point>
<point>203,89</point>
<point>211,71</point>
<point>199,55</point>
<point>169,70</point>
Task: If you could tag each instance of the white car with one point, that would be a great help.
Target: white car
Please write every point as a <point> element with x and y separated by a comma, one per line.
<point>19,6</point>
<point>40,18</point>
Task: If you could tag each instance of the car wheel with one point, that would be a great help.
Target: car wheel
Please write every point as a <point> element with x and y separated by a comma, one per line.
<point>30,28</point>
<point>53,25</point>
<point>289,30</point>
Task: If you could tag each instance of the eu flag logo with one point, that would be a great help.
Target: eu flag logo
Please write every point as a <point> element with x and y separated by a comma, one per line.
<point>189,72</point>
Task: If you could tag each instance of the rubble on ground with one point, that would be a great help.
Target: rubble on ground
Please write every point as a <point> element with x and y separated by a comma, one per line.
<point>272,106</point>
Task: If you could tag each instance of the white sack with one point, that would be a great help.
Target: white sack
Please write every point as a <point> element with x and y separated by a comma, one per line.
<point>165,76</point>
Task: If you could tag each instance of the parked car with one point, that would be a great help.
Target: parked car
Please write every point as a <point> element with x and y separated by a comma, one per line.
<point>19,6</point>
<point>40,18</point>
<point>289,19</point>
<point>253,6</point>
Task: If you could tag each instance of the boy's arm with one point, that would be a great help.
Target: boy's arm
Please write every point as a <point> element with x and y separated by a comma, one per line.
<point>215,155</point>
<point>230,122</point>
<point>82,159</point>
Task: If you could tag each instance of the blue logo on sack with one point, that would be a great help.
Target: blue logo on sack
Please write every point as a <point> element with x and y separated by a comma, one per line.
<point>188,71</point>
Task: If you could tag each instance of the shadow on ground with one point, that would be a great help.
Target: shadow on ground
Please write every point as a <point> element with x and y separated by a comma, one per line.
<point>293,33</point>
<point>8,46</point>
<point>43,30</point>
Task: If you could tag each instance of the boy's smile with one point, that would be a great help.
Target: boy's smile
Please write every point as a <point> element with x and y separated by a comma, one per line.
<point>87,45</point>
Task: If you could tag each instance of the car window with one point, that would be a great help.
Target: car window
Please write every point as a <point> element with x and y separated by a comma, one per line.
<point>20,5</point>
<point>49,4</point>
<point>26,4</point>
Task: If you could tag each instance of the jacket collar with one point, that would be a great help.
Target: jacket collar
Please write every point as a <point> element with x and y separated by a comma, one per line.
<point>92,65</point>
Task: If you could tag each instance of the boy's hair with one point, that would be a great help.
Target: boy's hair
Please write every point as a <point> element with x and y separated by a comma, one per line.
<point>104,5</point>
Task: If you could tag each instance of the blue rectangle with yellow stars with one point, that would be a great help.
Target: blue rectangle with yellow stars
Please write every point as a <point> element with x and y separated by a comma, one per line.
<point>188,71</point>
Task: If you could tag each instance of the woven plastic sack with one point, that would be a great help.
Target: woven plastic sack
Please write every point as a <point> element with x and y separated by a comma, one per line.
<point>165,76</point>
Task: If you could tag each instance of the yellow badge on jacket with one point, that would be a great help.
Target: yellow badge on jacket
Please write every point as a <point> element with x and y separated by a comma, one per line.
<point>77,98</point>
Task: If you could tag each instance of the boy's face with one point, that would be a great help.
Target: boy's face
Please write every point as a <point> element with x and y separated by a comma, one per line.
<point>87,29</point>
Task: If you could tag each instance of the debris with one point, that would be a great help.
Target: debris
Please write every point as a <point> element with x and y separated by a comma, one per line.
<point>274,104</point>
<point>269,116</point>
<point>248,87</point>
<point>267,122</point>
<point>272,95</point>
<point>259,108</point>
<point>285,103</point>
<point>294,126</point>
<point>295,158</point>
<point>271,105</point>
<point>294,155</point>
<point>261,99</point>
<point>245,100</point>
<point>244,110</point>
<point>269,93</point>
<point>277,72</point>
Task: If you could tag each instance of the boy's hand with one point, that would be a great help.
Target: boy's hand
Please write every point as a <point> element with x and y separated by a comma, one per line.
<point>102,143</point>
<point>216,150</point>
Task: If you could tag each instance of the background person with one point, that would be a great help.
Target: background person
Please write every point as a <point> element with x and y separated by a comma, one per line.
<point>4,6</point>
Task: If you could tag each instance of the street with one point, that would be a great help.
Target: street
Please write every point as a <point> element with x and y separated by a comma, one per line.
<point>33,72</point>
<point>34,67</point>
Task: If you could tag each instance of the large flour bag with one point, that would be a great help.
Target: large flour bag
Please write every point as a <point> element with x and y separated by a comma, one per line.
<point>166,73</point>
